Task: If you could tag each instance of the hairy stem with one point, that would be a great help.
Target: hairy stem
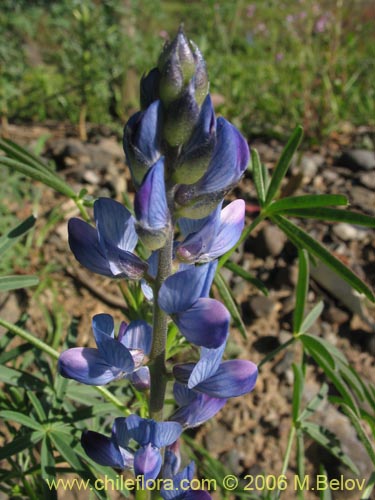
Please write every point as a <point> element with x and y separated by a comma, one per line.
<point>160,328</point>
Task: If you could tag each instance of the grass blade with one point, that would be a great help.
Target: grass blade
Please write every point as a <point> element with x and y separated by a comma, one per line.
<point>15,282</point>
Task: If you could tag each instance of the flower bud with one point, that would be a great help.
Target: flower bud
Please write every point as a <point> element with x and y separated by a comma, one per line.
<point>142,136</point>
<point>149,88</point>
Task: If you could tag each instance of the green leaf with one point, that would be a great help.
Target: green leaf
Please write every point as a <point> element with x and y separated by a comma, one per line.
<point>12,236</point>
<point>283,164</point>
<point>366,495</point>
<point>47,464</point>
<point>15,282</point>
<point>38,407</point>
<point>357,424</point>
<point>65,444</point>
<point>302,239</point>
<point>329,441</point>
<point>324,355</point>
<point>331,214</point>
<point>230,303</point>
<point>46,177</point>
<point>16,152</point>
<point>20,443</point>
<point>297,391</point>
<point>308,201</point>
<point>10,376</point>
<point>22,419</point>
<point>258,176</point>
<point>240,271</point>
<point>314,404</point>
<point>312,316</point>
<point>301,289</point>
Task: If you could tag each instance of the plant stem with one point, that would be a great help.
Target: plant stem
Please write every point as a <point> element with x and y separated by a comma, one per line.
<point>160,328</point>
<point>292,433</point>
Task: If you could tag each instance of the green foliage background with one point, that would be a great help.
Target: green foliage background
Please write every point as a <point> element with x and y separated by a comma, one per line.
<point>272,63</point>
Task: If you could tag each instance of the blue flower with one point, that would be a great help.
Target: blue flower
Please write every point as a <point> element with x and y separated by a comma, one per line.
<point>233,378</point>
<point>151,208</point>
<point>142,141</point>
<point>118,450</point>
<point>203,321</point>
<point>209,238</point>
<point>107,250</point>
<point>194,408</point>
<point>228,163</point>
<point>113,359</point>
<point>179,489</point>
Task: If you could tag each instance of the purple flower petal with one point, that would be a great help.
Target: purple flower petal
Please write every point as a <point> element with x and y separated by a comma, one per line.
<point>140,378</point>
<point>111,350</point>
<point>150,203</point>
<point>207,365</point>
<point>199,242</point>
<point>198,410</point>
<point>205,323</point>
<point>232,222</point>
<point>142,140</point>
<point>115,225</point>
<point>182,289</point>
<point>125,264</point>
<point>216,236</point>
<point>138,335</point>
<point>102,450</point>
<point>166,433</point>
<point>233,378</point>
<point>86,365</point>
<point>229,161</point>
<point>147,462</point>
<point>84,243</point>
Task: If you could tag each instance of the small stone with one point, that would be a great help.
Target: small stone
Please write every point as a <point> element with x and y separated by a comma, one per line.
<point>367,179</point>
<point>309,165</point>
<point>358,159</point>
<point>363,198</point>
<point>274,240</point>
<point>91,177</point>
<point>262,306</point>
<point>348,232</point>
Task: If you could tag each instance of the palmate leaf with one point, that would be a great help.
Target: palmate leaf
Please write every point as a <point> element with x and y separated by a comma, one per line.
<point>18,378</point>
<point>303,240</point>
<point>357,424</point>
<point>15,282</point>
<point>311,317</point>
<point>329,441</point>
<point>283,164</point>
<point>314,404</point>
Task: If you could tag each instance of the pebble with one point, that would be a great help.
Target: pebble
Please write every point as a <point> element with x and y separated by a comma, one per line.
<point>357,159</point>
<point>363,198</point>
<point>262,306</point>
<point>348,232</point>
<point>274,240</point>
